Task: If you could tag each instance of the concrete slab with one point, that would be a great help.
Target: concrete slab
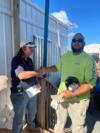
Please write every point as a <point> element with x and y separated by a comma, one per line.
<point>92,122</point>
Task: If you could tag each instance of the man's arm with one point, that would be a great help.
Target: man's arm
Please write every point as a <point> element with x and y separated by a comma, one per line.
<point>84,88</point>
<point>42,71</point>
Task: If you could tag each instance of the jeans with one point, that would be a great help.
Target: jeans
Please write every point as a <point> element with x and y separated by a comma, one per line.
<point>22,103</point>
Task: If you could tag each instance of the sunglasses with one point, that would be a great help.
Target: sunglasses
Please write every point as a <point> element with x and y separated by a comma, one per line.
<point>77,40</point>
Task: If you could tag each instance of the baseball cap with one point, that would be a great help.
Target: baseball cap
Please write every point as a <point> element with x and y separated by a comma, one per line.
<point>27,43</point>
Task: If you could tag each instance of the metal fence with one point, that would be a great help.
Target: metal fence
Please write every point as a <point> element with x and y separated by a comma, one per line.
<point>46,116</point>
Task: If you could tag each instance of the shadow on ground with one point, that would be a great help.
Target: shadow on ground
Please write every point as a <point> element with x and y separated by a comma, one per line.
<point>93,122</point>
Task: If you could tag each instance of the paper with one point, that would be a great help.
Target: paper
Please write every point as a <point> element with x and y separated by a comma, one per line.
<point>54,104</point>
<point>56,100</point>
<point>34,90</point>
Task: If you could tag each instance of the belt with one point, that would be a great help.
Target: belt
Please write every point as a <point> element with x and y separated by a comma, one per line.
<point>17,89</point>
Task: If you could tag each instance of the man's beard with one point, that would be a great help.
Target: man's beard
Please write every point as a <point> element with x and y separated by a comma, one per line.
<point>77,49</point>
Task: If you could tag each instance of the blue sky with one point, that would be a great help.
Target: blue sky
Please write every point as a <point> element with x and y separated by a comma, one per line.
<point>85,13</point>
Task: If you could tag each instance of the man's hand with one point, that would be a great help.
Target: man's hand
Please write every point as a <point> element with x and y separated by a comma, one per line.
<point>66,94</point>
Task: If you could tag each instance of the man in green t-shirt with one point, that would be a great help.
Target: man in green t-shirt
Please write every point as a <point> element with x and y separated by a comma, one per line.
<point>82,67</point>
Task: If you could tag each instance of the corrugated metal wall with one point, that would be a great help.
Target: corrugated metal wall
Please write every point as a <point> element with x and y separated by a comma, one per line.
<point>32,23</point>
<point>6,35</point>
<point>6,46</point>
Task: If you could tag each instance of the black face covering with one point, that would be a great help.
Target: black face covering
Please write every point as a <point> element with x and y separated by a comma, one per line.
<point>77,49</point>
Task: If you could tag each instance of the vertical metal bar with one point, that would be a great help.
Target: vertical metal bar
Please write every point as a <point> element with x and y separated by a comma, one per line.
<point>46,32</point>
<point>58,34</point>
<point>16,12</point>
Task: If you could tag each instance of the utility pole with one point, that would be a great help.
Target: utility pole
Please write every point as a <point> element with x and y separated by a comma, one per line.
<point>46,32</point>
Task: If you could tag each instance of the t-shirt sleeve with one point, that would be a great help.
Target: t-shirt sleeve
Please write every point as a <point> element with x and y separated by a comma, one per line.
<point>16,67</point>
<point>59,64</point>
<point>90,73</point>
<point>18,70</point>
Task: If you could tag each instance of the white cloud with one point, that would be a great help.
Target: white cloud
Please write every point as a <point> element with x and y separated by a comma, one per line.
<point>63,17</point>
<point>70,35</point>
<point>92,48</point>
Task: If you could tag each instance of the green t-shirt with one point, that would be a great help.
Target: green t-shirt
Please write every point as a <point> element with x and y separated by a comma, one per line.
<point>81,66</point>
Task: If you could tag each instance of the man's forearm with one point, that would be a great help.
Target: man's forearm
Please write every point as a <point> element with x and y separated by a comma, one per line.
<point>42,71</point>
<point>84,88</point>
<point>46,70</point>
